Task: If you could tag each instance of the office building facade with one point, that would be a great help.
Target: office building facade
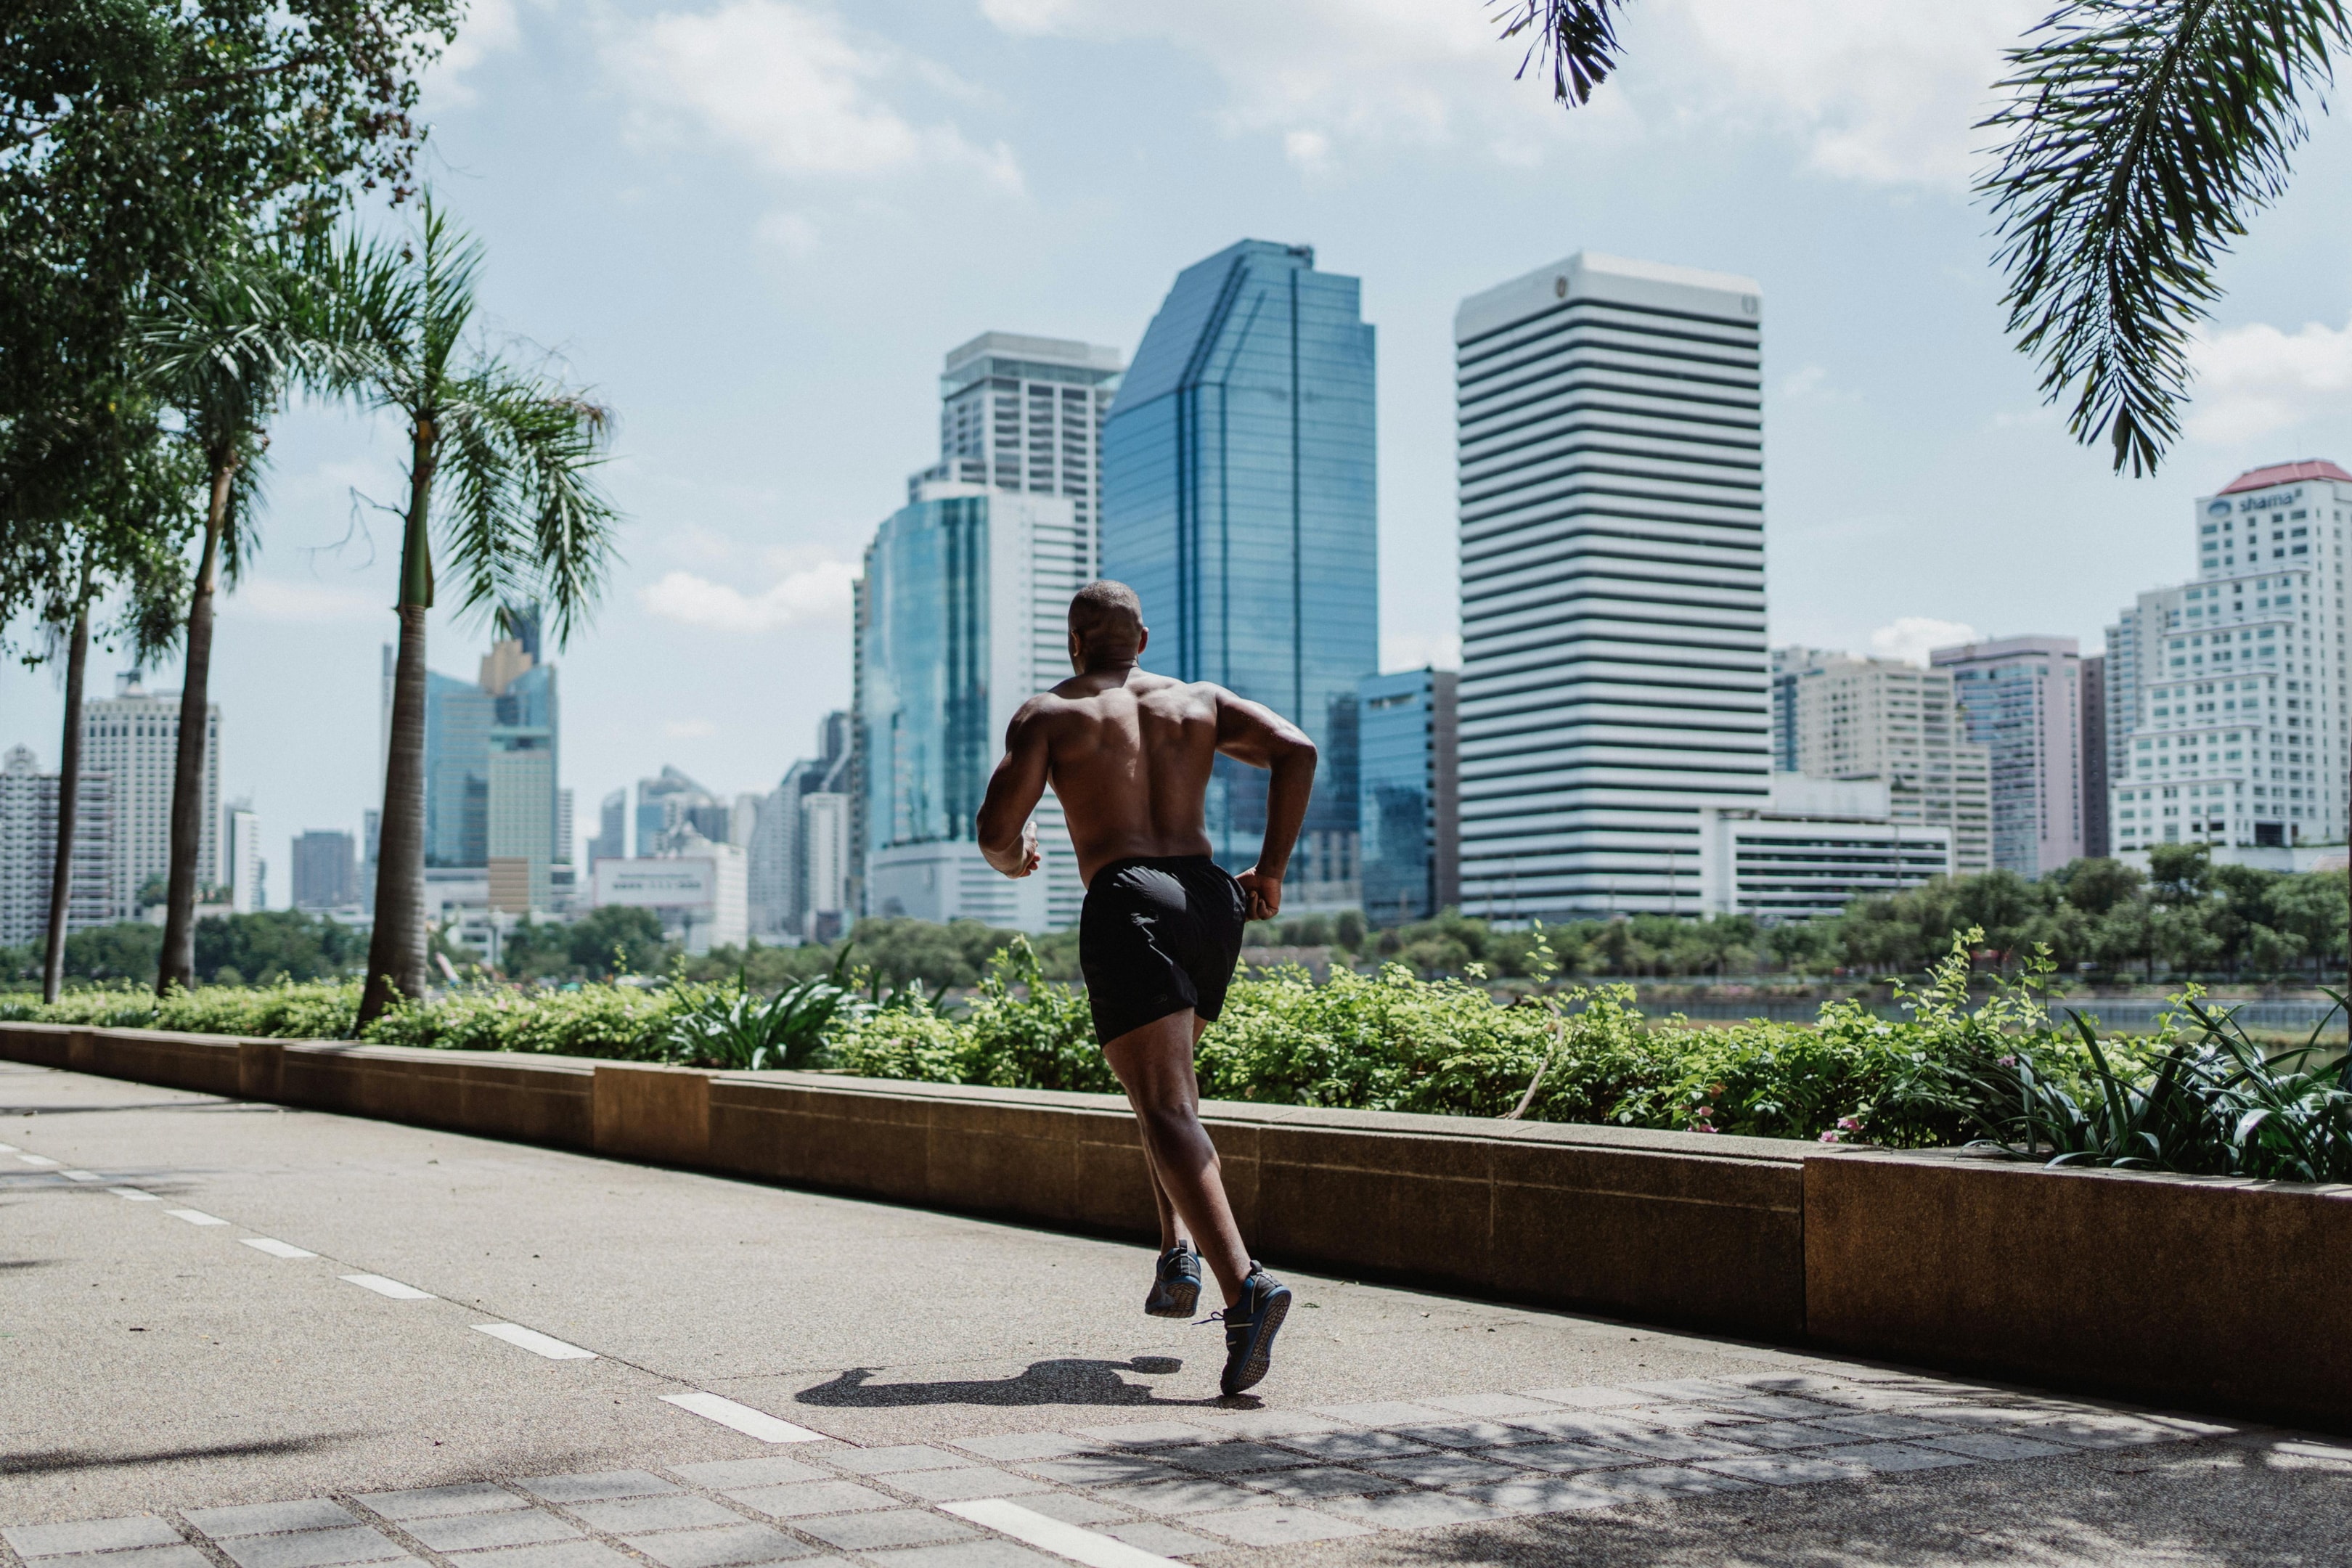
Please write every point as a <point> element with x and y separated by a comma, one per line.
<point>132,737</point>
<point>325,871</point>
<point>2096,782</point>
<point>670,804</point>
<point>28,843</point>
<point>1819,845</point>
<point>1839,717</point>
<point>963,615</point>
<point>2240,722</point>
<point>466,723</point>
<point>794,877</point>
<point>1240,498</point>
<point>241,858</point>
<point>2022,699</point>
<point>611,841</point>
<point>1614,674</point>
<point>1025,415</point>
<point>1408,793</point>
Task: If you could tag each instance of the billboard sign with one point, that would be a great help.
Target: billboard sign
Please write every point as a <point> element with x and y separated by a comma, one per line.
<point>688,883</point>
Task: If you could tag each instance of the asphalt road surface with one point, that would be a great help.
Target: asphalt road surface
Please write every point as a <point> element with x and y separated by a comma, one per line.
<point>235,1336</point>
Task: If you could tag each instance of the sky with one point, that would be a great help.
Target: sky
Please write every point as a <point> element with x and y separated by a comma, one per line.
<point>753,229</point>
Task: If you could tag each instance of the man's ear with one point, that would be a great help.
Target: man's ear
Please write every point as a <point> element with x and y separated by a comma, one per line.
<point>1142,640</point>
<point>1077,653</point>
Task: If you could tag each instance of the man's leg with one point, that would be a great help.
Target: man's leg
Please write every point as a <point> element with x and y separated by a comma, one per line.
<point>1155,1064</point>
<point>1171,1223</point>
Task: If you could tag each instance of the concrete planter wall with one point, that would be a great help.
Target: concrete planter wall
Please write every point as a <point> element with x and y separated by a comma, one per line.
<point>2218,1295</point>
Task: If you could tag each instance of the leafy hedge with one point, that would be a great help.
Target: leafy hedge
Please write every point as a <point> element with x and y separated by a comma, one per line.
<point>1949,1072</point>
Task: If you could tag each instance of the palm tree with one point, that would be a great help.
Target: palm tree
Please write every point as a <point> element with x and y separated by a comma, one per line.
<point>521,518</point>
<point>221,352</point>
<point>2141,136</point>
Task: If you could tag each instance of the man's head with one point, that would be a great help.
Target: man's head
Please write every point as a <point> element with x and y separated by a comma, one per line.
<point>1106,625</point>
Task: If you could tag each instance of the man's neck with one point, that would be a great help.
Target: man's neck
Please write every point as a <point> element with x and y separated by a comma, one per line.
<point>1115,670</point>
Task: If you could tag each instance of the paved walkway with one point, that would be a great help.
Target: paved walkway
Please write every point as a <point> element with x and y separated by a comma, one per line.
<point>242,1337</point>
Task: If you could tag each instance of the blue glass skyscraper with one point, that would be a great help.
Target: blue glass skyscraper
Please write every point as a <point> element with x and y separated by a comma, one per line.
<point>1239,501</point>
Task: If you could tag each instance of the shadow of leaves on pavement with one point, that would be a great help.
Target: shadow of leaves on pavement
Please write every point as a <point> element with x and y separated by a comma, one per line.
<point>49,1460</point>
<point>1065,1381</point>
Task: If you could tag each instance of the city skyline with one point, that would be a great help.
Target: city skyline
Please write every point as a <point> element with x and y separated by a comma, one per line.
<point>761,301</point>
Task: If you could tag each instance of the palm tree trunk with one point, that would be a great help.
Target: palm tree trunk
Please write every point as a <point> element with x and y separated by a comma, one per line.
<point>53,958</point>
<point>396,947</point>
<point>177,965</point>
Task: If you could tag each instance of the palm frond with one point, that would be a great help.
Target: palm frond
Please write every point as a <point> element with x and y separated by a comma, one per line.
<point>1578,38</point>
<point>2140,136</point>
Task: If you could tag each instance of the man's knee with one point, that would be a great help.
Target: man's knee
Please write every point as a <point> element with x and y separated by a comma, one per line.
<point>1169,1115</point>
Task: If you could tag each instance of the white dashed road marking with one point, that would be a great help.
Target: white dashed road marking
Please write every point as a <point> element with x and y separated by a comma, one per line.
<point>743,1417</point>
<point>1008,1518</point>
<point>534,1342</point>
<point>275,1247</point>
<point>134,1195</point>
<point>195,1217</point>
<point>82,1177</point>
<point>42,1160</point>
<point>384,1287</point>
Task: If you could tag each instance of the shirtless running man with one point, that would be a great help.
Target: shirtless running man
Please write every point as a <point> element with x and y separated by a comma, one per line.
<point>1129,755</point>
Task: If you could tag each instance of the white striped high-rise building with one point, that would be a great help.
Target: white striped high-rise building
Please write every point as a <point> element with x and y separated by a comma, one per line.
<point>1614,678</point>
<point>135,738</point>
<point>1025,413</point>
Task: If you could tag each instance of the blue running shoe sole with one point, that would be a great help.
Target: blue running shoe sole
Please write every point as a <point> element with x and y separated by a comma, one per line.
<point>1248,1369</point>
<point>1174,1296</point>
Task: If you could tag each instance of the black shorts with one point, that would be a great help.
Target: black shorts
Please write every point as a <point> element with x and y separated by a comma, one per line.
<point>1159,936</point>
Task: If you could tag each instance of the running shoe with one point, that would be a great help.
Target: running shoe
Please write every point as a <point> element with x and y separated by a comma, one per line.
<point>1176,1290</point>
<point>1251,1324</point>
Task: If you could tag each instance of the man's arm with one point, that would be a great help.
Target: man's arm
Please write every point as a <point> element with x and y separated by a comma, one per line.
<point>1250,732</point>
<point>1007,837</point>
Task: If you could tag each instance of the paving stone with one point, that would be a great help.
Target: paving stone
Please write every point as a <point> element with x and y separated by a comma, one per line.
<point>1167,1540</point>
<point>1790,1469</point>
<point>1691,1417</point>
<point>1493,1404</point>
<point>1888,1457</point>
<point>894,1527</point>
<point>1564,1456</point>
<point>1600,1397</point>
<point>1410,1511</point>
<point>890,1461</point>
<point>1146,1433</point>
<point>1016,1446</point>
<point>311,1549</point>
<point>1100,1470</point>
<point>1264,1424</point>
<point>1664,1481</point>
<point>1541,1494</point>
<point>1077,1508</point>
<point>554,1554</point>
<point>1885,1423</point>
<point>440,1502</point>
<point>1319,1481</point>
<point>1468,1435</point>
<point>1984,1417</point>
<point>1442,1470</point>
<point>1229,1457</point>
<point>1581,1427</point>
<point>811,1497</point>
<point>968,1555</point>
<point>1775,1406</point>
<point>596,1488</point>
<point>476,1532</point>
<point>1351,1445</point>
<point>1275,1525</point>
<point>89,1535</point>
<point>1677,1446</point>
<point>1385,1412</point>
<point>271,1517</point>
<point>1682,1388</point>
<point>635,1516</point>
<point>180,1556</point>
<point>1188,1494</point>
<point>956,1486</point>
<point>1995,1446</point>
<point>727,1547</point>
<point>720,1474</point>
<point>1793,1435</point>
<point>2102,1433</point>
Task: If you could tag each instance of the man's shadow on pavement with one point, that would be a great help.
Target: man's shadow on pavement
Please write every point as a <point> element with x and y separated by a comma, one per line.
<point>1067,1381</point>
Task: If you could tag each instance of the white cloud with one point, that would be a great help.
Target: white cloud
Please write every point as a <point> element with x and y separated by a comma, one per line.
<point>1911,638</point>
<point>303,603</point>
<point>689,729</point>
<point>490,27</point>
<point>1417,650</point>
<point>2253,379</point>
<point>1870,91</point>
<point>813,593</point>
<point>796,88</point>
<point>794,234</point>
